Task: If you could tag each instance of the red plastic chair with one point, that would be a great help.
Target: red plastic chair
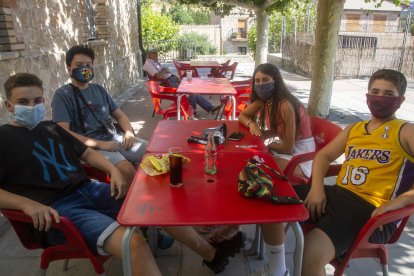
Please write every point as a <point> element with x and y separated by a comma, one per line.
<point>243,89</point>
<point>323,131</point>
<point>214,72</point>
<point>182,69</point>
<point>362,248</point>
<point>226,70</point>
<point>75,246</point>
<point>159,93</point>
<point>163,82</point>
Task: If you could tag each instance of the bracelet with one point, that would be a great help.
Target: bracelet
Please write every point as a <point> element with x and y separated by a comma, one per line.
<point>248,122</point>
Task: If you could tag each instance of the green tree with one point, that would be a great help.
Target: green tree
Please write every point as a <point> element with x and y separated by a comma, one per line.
<point>262,10</point>
<point>199,43</point>
<point>180,15</point>
<point>157,27</point>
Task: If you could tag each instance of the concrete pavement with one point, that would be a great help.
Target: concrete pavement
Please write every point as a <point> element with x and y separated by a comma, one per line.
<point>348,105</point>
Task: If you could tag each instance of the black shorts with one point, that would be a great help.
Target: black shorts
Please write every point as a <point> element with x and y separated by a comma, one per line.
<point>346,214</point>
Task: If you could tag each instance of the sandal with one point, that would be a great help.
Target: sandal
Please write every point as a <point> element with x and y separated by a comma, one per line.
<point>233,245</point>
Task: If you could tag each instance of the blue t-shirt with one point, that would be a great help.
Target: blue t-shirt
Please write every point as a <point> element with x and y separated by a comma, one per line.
<point>98,99</point>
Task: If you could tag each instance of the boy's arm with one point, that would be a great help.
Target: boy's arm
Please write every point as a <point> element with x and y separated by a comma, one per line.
<point>119,186</point>
<point>93,143</point>
<point>125,124</point>
<point>316,200</point>
<point>41,214</point>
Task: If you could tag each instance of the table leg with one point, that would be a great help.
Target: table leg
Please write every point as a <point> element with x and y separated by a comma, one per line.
<point>179,107</point>
<point>233,111</point>
<point>298,249</point>
<point>126,256</point>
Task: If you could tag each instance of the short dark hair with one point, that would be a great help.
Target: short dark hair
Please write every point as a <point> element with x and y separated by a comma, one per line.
<point>396,77</point>
<point>21,80</point>
<point>79,49</point>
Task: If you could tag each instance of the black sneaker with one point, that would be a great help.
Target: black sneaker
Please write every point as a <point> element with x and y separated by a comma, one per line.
<point>218,264</point>
<point>233,245</point>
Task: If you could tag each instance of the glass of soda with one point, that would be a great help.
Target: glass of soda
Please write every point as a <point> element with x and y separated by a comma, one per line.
<point>176,166</point>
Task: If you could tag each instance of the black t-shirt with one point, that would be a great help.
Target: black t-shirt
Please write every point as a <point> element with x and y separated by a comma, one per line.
<point>41,164</point>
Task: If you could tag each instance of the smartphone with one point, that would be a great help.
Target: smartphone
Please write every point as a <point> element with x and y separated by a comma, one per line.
<point>235,136</point>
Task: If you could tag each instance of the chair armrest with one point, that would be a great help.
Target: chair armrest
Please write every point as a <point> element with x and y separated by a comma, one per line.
<point>289,171</point>
<point>164,89</point>
<point>379,220</point>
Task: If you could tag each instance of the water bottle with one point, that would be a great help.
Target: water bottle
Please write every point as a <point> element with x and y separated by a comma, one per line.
<point>210,155</point>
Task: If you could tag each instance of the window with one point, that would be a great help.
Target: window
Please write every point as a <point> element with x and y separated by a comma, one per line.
<point>380,21</point>
<point>346,41</point>
<point>352,22</point>
<point>242,50</point>
<point>95,14</point>
<point>242,28</point>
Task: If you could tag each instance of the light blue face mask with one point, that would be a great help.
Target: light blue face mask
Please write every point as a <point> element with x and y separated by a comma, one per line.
<point>28,116</point>
<point>264,91</point>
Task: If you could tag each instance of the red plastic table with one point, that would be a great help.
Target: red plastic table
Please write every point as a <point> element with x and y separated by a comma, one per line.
<point>206,200</point>
<point>211,86</point>
<point>204,64</point>
<point>171,133</point>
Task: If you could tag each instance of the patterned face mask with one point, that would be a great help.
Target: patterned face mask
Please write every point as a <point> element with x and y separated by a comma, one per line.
<point>83,73</point>
<point>28,116</point>
<point>264,91</point>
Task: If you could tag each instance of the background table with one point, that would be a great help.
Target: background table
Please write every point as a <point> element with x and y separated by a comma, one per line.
<point>171,133</point>
<point>202,86</point>
<point>205,200</point>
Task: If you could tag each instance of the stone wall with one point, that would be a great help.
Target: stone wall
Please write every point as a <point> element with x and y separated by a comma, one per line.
<point>47,29</point>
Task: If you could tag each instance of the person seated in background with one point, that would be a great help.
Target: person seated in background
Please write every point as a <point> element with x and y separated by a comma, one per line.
<point>86,110</point>
<point>41,175</point>
<point>376,177</point>
<point>155,70</point>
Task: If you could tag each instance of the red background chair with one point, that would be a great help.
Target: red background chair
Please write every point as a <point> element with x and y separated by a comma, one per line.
<point>182,69</point>
<point>323,131</point>
<point>227,71</point>
<point>243,89</point>
<point>159,93</point>
<point>214,72</point>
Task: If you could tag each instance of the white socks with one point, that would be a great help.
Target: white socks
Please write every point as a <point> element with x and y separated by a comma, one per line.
<point>276,259</point>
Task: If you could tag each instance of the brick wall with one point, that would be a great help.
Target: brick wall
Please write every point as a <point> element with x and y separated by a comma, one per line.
<point>37,34</point>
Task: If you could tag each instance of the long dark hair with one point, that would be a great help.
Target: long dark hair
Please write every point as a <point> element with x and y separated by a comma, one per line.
<point>280,93</point>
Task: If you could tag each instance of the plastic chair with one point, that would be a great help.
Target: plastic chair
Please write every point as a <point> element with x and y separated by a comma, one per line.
<point>323,131</point>
<point>361,247</point>
<point>215,70</point>
<point>182,69</point>
<point>75,246</point>
<point>159,93</point>
<point>243,89</point>
<point>163,82</point>
<point>225,70</point>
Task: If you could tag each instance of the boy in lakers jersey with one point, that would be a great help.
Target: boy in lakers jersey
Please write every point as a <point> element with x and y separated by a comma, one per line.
<point>376,176</point>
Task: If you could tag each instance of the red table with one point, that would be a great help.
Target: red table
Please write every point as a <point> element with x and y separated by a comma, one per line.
<point>204,64</point>
<point>171,133</point>
<point>211,86</point>
<point>206,200</point>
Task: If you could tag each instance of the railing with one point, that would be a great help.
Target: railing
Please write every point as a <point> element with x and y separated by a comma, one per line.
<point>174,49</point>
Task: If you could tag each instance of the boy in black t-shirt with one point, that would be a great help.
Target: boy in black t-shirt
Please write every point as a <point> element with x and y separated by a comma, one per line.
<point>41,175</point>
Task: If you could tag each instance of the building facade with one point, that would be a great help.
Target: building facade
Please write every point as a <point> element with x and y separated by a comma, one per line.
<point>35,35</point>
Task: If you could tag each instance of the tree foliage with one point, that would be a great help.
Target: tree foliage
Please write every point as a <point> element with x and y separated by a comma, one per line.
<point>200,43</point>
<point>185,15</point>
<point>157,27</point>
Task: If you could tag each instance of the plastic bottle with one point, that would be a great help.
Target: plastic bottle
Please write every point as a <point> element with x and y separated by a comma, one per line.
<point>210,155</point>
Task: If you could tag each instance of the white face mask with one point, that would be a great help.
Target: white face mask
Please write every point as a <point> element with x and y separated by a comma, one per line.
<point>28,116</point>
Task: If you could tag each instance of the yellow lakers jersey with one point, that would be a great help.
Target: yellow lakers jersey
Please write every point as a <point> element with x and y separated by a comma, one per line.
<point>376,167</point>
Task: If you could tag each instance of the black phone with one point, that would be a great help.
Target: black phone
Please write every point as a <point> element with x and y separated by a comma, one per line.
<point>235,136</point>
